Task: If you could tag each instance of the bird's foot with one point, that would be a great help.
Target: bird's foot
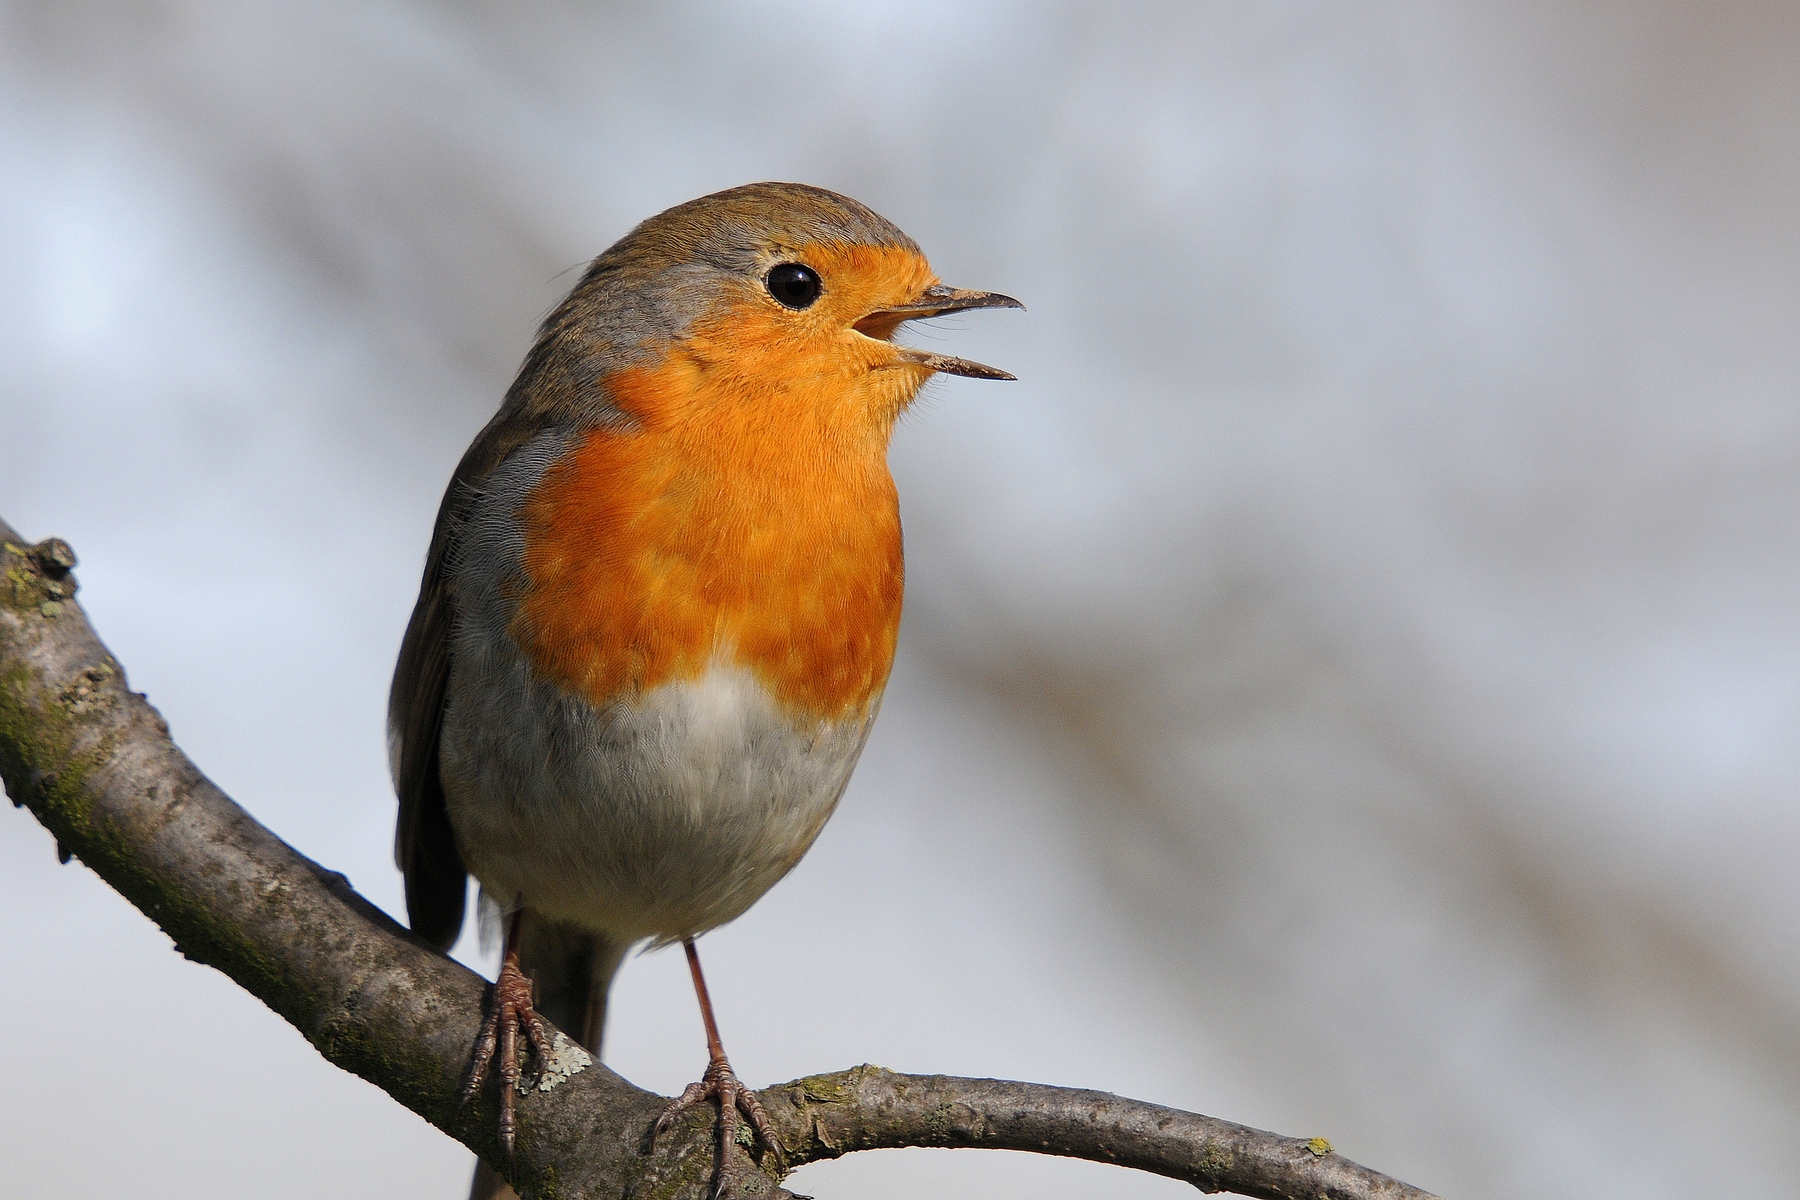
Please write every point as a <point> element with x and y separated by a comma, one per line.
<point>509,1011</point>
<point>721,1083</point>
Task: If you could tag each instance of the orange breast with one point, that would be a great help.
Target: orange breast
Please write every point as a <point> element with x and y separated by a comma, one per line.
<point>747,517</point>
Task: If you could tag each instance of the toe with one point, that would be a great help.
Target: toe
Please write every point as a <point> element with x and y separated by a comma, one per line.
<point>694,1093</point>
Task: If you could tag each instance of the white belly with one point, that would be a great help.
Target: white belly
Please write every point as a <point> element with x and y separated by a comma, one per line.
<point>663,817</point>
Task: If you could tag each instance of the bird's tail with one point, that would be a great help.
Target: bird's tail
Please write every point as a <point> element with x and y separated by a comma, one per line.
<point>571,971</point>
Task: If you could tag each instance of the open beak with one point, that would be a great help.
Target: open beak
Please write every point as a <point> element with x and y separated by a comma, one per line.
<point>936,301</point>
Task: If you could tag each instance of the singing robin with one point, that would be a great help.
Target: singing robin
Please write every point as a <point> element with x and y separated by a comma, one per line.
<point>661,601</point>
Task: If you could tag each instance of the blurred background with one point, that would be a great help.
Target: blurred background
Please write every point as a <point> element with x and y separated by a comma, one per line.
<point>1349,685</point>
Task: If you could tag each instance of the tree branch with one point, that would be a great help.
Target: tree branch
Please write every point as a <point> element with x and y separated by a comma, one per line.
<point>93,762</point>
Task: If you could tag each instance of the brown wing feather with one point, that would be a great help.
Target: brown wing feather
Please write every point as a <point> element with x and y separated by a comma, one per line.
<point>424,844</point>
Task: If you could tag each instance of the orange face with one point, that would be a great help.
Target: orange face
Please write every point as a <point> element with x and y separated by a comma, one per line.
<point>747,515</point>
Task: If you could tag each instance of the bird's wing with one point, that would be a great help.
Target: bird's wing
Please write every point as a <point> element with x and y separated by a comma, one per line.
<point>424,845</point>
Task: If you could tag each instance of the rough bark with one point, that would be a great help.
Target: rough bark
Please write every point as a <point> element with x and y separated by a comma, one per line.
<point>94,762</point>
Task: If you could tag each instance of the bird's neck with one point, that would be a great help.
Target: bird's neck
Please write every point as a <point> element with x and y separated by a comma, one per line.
<point>752,528</point>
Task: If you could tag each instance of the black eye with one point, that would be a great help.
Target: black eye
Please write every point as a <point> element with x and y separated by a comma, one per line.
<point>793,284</point>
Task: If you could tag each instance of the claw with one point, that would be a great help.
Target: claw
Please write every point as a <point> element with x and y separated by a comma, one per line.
<point>509,1010</point>
<point>720,1083</point>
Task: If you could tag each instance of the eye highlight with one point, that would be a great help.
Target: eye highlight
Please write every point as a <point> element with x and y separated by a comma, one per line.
<point>795,285</point>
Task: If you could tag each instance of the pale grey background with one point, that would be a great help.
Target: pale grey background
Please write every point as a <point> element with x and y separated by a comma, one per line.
<point>1349,685</point>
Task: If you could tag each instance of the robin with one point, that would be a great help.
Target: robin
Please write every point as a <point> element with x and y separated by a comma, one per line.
<point>660,605</point>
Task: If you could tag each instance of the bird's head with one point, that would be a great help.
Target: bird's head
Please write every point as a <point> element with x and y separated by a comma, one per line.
<point>771,302</point>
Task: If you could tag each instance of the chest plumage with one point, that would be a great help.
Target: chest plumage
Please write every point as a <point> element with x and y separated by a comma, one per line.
<point>763,535</point>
